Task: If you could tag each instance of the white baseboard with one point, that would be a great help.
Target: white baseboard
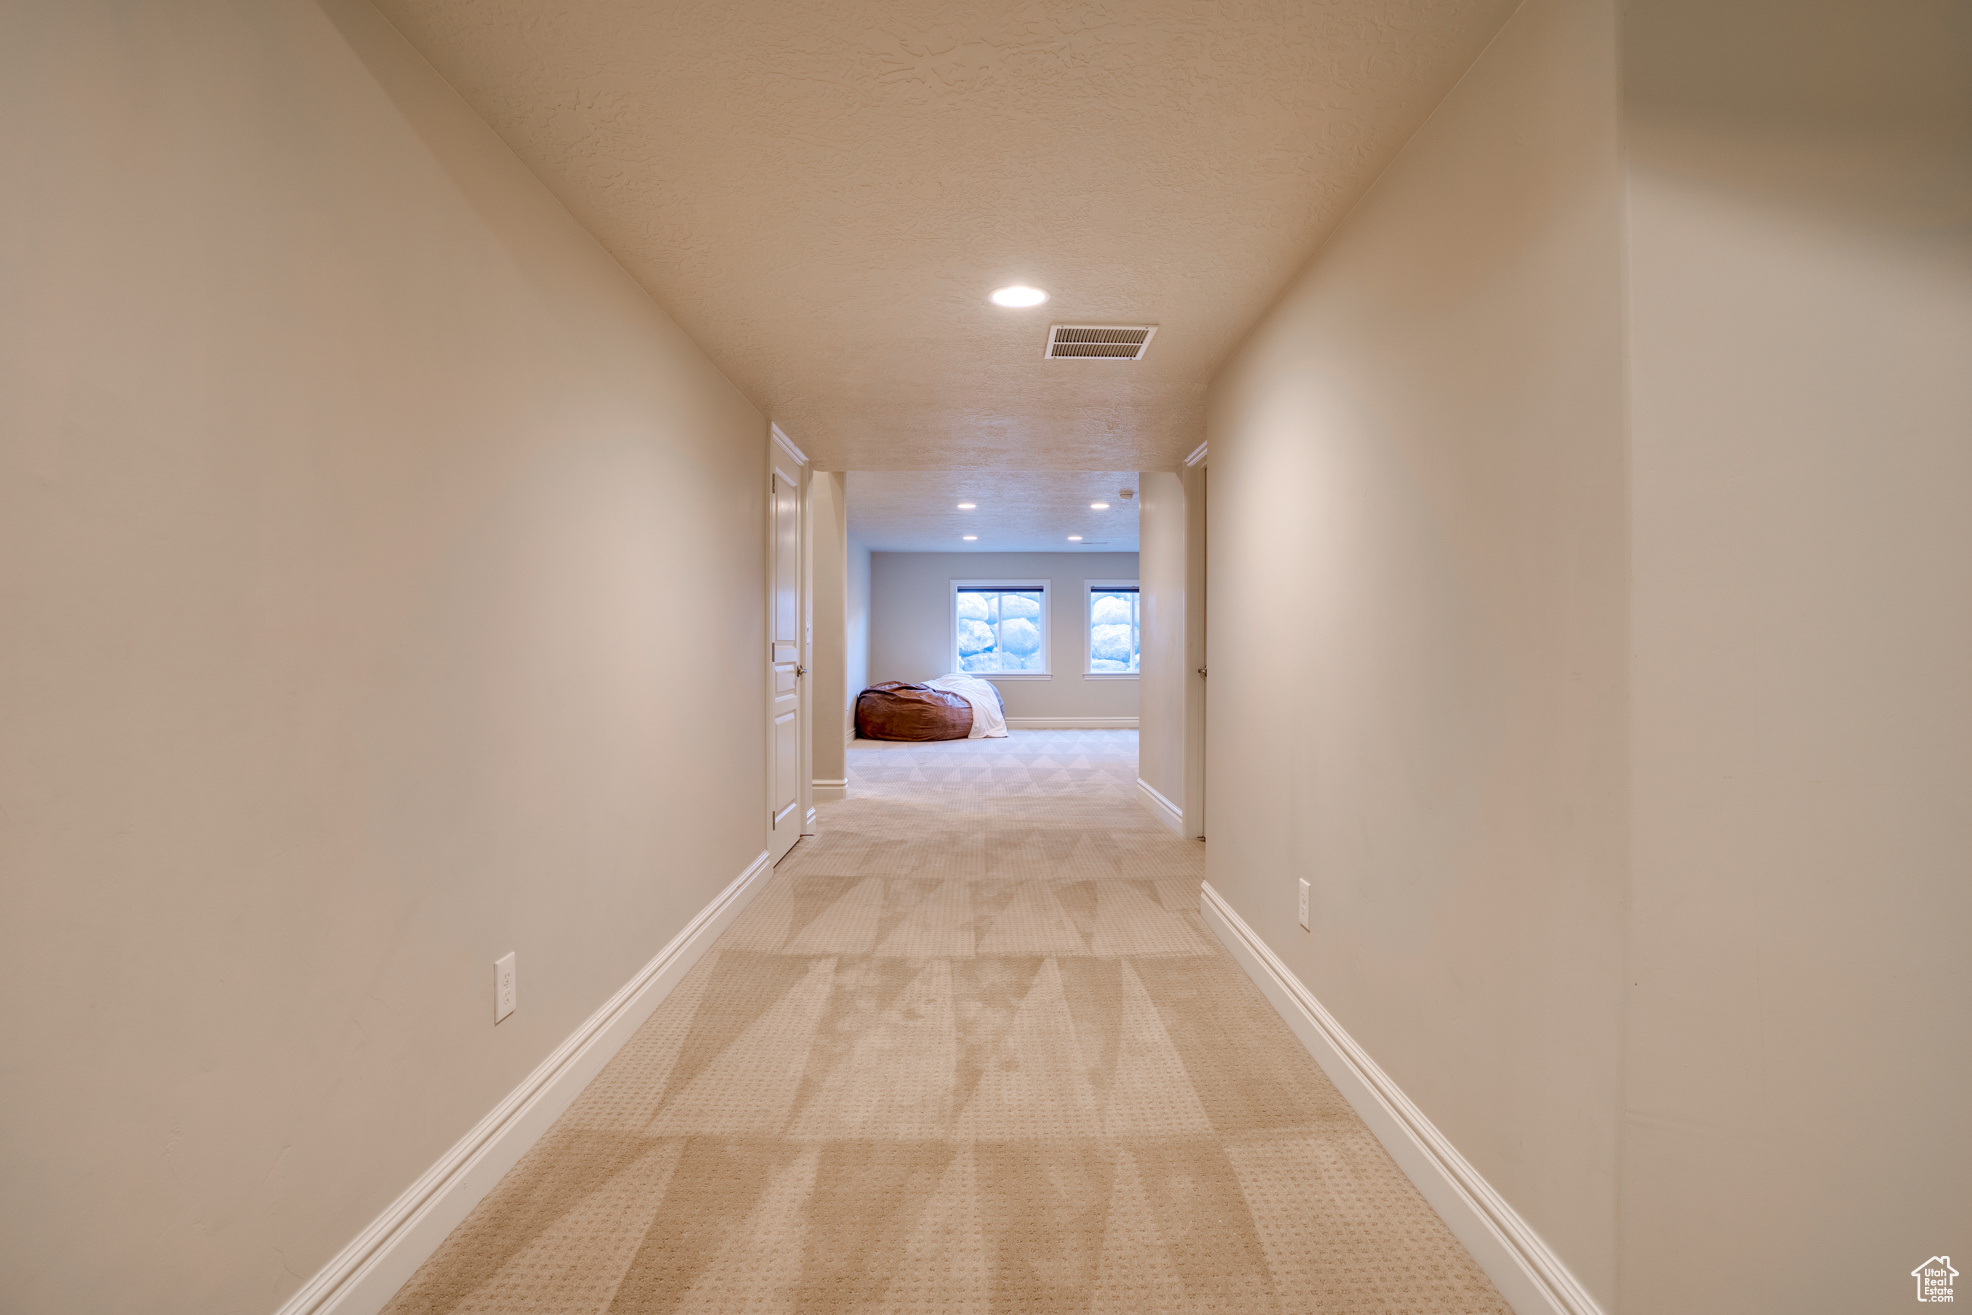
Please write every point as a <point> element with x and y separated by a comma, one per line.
<point>827,791</point>
<point>1160,808</point>
<point>1071,723</point>
<point>1528,1274</point>
<point>372,1268</point>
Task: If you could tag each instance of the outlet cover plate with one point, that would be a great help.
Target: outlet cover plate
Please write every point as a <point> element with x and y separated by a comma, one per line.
<point>506,992</point>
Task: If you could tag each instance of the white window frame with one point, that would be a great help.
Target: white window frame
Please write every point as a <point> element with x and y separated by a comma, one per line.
<point>1089,588</point>
<point>1047,626</point>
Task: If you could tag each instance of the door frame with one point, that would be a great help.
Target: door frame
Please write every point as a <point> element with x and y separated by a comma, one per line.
<point>1196,602</point>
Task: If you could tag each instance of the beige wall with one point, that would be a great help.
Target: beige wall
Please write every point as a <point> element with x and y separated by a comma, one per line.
<point>1416,624</point>
<point>369,544</point>
<point>1799,1039</point>
<point>1510,499</point>
<point>1163,545</point>
<point>828,527</point>
<point>856,642</point>
<point>911,620</point>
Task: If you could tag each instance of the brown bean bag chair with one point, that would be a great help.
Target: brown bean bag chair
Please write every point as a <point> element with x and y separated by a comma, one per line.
<point>897,711</point>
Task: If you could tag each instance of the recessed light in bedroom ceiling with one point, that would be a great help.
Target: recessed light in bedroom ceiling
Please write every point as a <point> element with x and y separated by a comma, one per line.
<point>1075,538</point>
<point>968,506</point>
<point>972,538</point>
<point>1098,506</point>
<point>1019,296</point>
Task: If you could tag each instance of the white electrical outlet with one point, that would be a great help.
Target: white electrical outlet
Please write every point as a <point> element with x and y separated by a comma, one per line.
<point>1304,904</point>
<point>506,994</point>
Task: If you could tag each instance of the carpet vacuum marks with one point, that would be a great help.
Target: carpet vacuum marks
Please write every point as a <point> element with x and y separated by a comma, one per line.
<point>971,1050</point>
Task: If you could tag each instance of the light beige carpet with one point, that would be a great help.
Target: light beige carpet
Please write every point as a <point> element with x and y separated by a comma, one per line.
<point>971,1050</point>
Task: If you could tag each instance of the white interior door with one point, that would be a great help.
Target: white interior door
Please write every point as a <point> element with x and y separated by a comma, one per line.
<point>785,671</point>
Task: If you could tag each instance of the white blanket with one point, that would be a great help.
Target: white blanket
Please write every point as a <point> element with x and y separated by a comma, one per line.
<point>988,722</point>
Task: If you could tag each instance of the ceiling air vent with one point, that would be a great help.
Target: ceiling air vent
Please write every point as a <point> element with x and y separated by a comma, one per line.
<point>1102,342</point>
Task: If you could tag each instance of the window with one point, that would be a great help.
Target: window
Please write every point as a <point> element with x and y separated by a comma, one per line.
<point>1115,627</point>
<point>1000,627</point>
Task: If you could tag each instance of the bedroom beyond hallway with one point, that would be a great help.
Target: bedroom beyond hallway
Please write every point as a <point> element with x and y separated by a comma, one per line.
<point>973,1049</point>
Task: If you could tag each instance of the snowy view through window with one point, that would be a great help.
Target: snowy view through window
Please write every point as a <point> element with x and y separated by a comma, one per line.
<point>1115,637</point>
<point>1000,630</point>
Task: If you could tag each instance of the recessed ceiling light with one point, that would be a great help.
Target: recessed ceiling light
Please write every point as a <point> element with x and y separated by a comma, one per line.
<point>1019,295</point>
<point>1098,506</point>
<point>967,506</point>
<point>971,538</point>
<point>1075,538</point>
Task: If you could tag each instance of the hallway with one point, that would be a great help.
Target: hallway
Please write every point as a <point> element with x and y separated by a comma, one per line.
<point>972,1049</point>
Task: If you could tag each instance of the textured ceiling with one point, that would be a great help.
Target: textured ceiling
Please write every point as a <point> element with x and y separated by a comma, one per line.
<point>1017,510</point>
<point>823,194</point>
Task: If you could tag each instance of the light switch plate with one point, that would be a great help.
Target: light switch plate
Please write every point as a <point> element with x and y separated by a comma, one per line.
<point>506,992</point>
<point>1304,904</point>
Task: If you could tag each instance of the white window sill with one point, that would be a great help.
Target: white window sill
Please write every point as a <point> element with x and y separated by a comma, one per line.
<point>1010,675</point>
<point>1109,675</point>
